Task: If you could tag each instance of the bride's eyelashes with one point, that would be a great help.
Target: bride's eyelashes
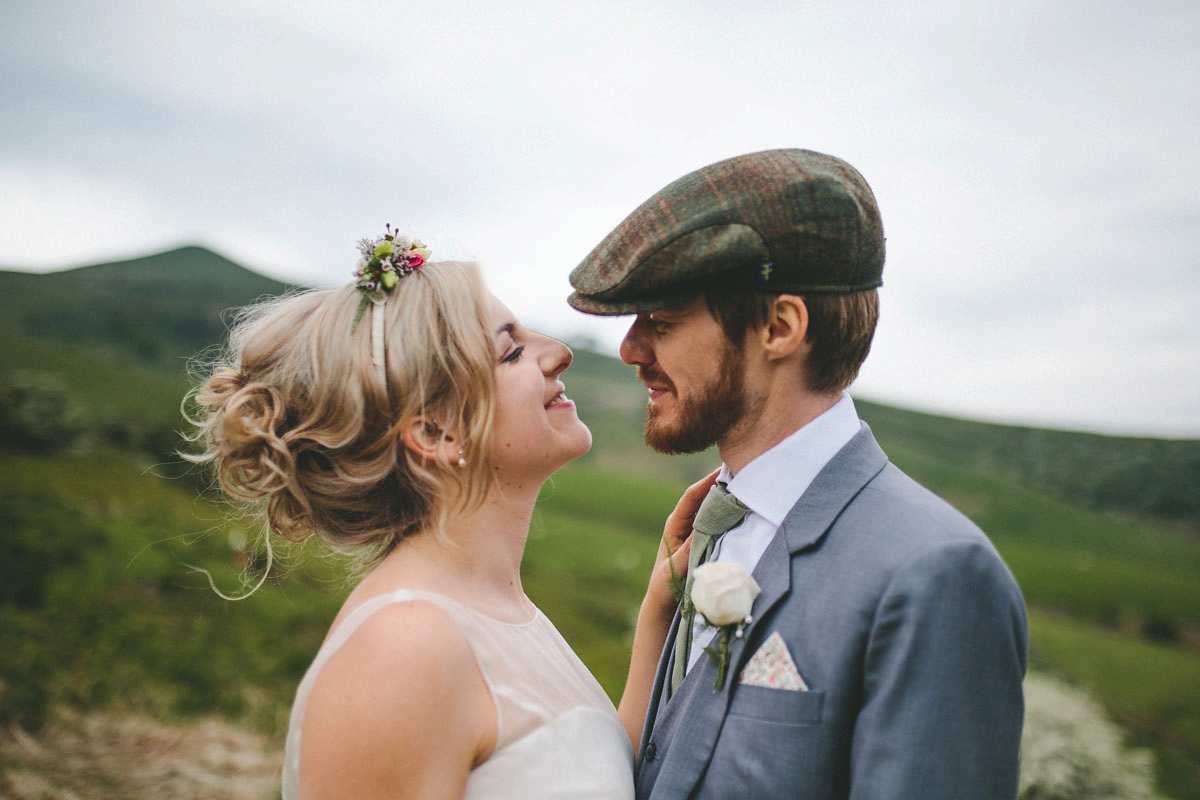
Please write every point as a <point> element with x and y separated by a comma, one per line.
<point>513,355</point>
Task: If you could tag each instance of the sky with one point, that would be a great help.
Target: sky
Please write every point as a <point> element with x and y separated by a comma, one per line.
<point>1037,164</point>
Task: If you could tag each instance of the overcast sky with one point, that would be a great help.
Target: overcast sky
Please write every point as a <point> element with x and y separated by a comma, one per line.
<point>1037,164</point>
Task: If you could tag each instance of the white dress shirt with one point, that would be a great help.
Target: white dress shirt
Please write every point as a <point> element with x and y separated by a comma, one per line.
<point>770,485</point>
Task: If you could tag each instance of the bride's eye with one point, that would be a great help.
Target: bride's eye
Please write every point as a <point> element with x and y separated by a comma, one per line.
<point>513,355</point>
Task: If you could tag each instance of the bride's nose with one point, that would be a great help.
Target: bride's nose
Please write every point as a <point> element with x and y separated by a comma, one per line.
<point>555,358</point>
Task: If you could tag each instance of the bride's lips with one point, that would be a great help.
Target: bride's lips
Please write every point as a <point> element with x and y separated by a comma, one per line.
<point>559,400</point>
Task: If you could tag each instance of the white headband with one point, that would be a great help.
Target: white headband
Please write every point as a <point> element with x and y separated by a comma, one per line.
<point>384,261</point>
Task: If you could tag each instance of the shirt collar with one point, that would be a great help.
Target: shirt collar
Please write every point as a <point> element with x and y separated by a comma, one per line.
<point>772,483</point>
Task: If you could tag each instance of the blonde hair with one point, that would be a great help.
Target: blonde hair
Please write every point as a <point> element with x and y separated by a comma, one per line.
<point>296,420</point>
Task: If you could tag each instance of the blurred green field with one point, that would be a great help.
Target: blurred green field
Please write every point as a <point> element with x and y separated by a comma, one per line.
<point>591,547</point>
<point>1147,685</point>
<point>100,606</point>
<point>1096,566</point>
<point>1152,689</point>
<point>92,524</point>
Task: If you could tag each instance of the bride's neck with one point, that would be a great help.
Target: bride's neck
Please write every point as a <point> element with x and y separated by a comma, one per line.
<point>478,558</point>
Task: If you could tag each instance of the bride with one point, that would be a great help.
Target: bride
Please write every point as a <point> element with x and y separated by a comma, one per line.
<point>409,419</point>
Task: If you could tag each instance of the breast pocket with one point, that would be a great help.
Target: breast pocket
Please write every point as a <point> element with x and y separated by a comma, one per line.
<point>777,705</point>
<point>774,743</point>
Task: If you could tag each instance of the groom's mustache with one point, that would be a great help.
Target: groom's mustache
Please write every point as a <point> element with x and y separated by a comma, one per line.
<point>652,378</point>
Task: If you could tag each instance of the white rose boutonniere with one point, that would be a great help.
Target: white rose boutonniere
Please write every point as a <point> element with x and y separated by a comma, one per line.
<point>723,594</point>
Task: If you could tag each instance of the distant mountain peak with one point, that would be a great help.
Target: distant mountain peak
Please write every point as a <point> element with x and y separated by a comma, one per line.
<point>158,308</point>
<point>179,263</point>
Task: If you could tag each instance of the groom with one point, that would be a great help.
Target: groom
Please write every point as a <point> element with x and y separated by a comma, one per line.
<point>885,652</point>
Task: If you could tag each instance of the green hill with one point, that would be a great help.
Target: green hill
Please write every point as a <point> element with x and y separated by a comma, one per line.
<point>100,353</point>
<point>1143,477</point>
<point>98,604</point>
<point>155,309</point>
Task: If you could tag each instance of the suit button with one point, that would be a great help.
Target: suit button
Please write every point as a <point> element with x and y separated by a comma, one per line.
<point>651,751</point>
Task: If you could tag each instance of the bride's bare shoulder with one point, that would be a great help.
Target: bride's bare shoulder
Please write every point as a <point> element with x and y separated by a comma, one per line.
<point>401,703</point>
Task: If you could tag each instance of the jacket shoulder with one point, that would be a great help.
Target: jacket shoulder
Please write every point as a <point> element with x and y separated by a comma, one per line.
<point>896,526</point>
<point>910,511</point>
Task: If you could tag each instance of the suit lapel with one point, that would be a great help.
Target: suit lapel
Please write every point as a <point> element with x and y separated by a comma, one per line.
<point>696,713</point>
<point>846,474</point>
<point>806,525</point>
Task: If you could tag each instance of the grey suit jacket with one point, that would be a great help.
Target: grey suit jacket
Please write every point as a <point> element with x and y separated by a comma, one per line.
<point>910,633</point>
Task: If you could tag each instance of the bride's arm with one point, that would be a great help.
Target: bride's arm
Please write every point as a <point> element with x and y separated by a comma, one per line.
<point>658,608</point>
<point>400,711</point>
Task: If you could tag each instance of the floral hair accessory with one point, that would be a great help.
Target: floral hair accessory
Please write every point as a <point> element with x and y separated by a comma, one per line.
<point>387,259</point>
<point>384,261</point>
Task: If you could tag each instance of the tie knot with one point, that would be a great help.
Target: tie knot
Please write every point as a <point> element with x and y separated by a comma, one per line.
<point>719,512</point>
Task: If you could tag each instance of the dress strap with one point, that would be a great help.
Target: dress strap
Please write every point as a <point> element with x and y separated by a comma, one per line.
<point>333,642</point>
<point>364,610</point>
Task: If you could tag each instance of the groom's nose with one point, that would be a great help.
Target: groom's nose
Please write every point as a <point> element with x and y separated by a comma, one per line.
<point>635,350</point>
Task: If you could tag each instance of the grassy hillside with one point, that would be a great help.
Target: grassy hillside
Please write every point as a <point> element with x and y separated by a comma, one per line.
<point>97,525</point>
<point>100,606</point>
<point>1142,477</point>
<point>155,309</point>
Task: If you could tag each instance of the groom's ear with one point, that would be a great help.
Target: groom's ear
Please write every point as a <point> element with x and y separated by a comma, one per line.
<point>426,439</point>
<point>785,331</point>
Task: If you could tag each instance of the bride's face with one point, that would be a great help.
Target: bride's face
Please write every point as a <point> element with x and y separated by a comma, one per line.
<point>536,427</point>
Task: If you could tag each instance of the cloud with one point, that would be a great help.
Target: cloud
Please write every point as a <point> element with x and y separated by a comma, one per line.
<point>1036,165</point>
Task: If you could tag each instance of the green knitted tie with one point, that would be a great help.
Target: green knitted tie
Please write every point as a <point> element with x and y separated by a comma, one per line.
<point>719,512</point>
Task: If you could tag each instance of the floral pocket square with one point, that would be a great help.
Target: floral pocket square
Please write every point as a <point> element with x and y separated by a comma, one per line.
<point>772,667</point>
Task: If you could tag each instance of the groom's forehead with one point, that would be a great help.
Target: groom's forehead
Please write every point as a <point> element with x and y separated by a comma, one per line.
<point>687,308</point>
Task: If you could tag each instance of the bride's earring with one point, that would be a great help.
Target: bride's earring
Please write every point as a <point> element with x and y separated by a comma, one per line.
<point>462,462</point>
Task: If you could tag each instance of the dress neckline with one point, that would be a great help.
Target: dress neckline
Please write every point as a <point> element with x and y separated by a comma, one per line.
<point>533,617</point>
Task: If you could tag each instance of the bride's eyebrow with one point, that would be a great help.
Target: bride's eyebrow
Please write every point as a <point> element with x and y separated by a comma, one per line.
<point>507,327</point>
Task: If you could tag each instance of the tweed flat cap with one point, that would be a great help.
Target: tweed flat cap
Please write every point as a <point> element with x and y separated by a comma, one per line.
<point>784,221</point>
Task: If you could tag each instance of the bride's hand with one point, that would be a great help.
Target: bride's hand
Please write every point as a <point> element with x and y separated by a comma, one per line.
<point>672,561</point>
<point>655,615</point>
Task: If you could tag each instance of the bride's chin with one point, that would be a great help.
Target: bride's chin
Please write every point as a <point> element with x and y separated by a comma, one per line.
<point>585,434</point>
<point>581,443</point>
<point>581,448</point>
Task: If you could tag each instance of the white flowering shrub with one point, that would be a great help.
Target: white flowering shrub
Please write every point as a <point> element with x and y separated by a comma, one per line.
<point>1071,750</point>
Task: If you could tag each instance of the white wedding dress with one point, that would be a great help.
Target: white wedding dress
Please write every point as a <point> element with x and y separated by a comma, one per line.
<point>559,735</point>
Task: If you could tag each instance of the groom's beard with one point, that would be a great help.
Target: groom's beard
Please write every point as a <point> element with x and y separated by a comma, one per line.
<point>702,419</point>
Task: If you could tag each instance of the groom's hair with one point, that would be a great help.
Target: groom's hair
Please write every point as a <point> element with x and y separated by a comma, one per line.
<point>840,330</point>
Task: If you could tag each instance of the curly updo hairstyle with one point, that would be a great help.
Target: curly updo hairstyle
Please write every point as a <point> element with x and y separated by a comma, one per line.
<point>296,420</point>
